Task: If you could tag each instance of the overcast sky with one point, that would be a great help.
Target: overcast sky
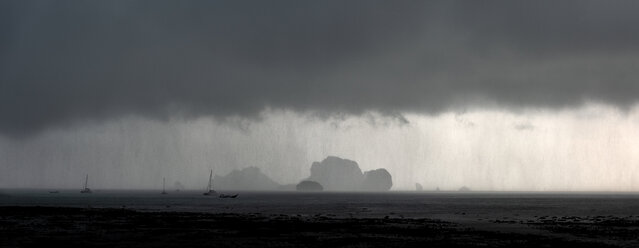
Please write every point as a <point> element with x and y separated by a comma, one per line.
<point>431,90</point>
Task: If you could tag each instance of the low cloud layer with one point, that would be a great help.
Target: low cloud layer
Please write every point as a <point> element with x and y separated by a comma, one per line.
<point>66,61</point>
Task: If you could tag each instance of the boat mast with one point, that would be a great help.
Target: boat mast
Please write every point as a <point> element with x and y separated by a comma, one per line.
<point>210,180</point>
<point>163,184</point>
<point>86,181</point>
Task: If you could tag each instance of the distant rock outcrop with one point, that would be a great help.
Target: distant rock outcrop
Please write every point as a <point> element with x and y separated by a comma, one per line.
<point>377,180</point>
<point>464,189</point>
<point>418,187</point>
<point>337,174</point>
<point>250,178</point>
<point>332,174</point>
<point>309,186</point>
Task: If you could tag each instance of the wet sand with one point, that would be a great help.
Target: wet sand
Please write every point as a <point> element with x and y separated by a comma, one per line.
<point>114,227</point>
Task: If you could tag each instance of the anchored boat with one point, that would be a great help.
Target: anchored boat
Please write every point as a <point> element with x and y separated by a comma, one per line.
<point>164,186</point>
<point>209,189</point>
<point>86,189</point>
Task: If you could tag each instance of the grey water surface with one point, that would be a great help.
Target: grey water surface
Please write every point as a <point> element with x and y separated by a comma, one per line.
<point>440,205</point>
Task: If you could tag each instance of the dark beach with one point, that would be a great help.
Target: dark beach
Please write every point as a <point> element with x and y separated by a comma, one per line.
<point>406,220</point>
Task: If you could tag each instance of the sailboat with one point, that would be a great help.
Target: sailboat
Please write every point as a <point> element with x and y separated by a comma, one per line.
<point>164,186</point>
<point>86,189</point>
<point>209,190</point>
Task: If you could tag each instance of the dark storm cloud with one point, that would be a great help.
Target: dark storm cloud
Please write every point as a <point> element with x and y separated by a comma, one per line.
<point>67,60</point>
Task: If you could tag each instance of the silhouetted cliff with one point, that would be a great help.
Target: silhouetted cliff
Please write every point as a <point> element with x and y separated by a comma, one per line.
<point>250,178</point>
<point>377,180</point>
<point>337,174</point>
<point>309,186</point>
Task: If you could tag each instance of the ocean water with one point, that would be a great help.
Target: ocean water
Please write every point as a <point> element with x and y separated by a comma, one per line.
<point>437,205</point>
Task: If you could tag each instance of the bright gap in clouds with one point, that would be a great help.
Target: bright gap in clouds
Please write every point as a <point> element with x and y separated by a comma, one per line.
<point>589,148</point>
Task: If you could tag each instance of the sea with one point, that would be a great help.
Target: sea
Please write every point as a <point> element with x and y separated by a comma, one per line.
<point>456,206</point>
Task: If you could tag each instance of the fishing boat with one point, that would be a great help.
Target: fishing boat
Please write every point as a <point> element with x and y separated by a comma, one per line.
<point>209,188</point>
<point>228,196</point>
<point>86,189</point>
<point>164,186</point>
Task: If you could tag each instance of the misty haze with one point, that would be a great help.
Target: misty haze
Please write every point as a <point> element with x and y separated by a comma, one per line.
<point>359,123</point>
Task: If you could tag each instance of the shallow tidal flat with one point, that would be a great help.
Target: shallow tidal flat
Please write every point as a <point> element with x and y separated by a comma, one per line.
<point>111,227</point>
